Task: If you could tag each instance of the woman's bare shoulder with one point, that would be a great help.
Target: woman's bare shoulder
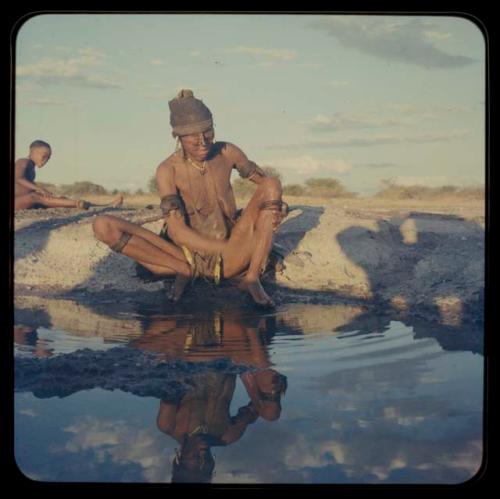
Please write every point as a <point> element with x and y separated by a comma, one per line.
<point>232,152</point>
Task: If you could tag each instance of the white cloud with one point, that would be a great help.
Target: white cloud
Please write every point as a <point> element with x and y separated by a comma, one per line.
<point>404,40</point>
<point>282,55</point>
<point>428,181</point>
<point>346,121</point>
<point>380,139</point>
<point>391,115</point>
<point>307,166</point>
<point>437,35</point>
<point>423,110</point>
<point>77,70</point>
<point>47,102</point>
<point>378,165</point>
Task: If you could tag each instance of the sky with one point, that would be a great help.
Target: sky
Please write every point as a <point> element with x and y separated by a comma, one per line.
<point>356,98</point>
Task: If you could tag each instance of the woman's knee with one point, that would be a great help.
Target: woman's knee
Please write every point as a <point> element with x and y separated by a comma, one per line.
<point>271,186</point>
<point>103,227</point>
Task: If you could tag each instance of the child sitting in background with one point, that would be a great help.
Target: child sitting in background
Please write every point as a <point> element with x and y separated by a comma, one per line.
<point>30,195</point>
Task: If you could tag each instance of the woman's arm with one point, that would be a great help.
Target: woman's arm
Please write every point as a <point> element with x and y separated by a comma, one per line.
<point>178,231</point>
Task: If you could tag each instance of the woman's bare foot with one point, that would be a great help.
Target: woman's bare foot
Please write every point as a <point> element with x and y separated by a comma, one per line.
<point>82,204</point>
<point>254,287</point>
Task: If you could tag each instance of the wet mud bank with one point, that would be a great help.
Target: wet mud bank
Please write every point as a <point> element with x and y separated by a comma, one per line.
<point>399,262</point>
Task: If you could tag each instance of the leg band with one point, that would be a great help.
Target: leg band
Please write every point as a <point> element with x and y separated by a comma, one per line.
<point>82,204</point>
<point>122,242</point>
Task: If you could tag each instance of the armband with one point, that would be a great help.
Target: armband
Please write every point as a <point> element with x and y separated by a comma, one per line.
<point>250,169</point>
<point>170,203</point>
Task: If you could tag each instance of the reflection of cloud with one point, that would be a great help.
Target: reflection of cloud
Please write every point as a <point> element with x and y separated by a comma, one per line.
<point>403,40</point>
<point>308,165</point>
<point>28,412</point>
<point>381,434</point>
<point>122,444</point>
<point>70,71</point>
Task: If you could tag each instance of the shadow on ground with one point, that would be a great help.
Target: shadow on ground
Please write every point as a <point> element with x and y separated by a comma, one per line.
<point>59,217</point>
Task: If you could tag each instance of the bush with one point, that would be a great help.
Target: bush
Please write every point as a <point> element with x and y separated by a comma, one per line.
<point>50,187</point>
<point>272,172</point>
<point>294,190</point>
<point>392,190</point>
<point>244,187</point>
<point>327,188</point>
<point>81,188</point>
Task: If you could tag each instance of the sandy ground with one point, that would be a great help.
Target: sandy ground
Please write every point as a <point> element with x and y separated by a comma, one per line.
<point>417,257</point>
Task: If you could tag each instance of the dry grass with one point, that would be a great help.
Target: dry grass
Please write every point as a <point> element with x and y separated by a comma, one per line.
<point>469,208</point>
<point>396,191</point>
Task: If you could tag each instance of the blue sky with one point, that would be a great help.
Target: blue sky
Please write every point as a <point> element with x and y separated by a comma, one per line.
<point>358,98</point>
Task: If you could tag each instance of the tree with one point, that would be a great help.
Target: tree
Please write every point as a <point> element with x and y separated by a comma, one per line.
<point>82,188</point>
<point>153,185</point>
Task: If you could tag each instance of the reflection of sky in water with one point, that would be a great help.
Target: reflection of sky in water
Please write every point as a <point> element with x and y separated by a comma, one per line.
<point>379,408</point>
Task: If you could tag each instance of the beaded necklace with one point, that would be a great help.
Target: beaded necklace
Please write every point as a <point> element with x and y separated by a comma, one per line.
<point>202,169</point>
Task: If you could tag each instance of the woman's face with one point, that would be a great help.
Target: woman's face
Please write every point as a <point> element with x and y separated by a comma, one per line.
<point>197,145</point>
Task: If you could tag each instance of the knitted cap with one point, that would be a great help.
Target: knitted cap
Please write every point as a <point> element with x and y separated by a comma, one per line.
<point>189,115</point>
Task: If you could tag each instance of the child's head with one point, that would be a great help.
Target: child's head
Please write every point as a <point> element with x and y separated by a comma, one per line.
<point>40,152</point>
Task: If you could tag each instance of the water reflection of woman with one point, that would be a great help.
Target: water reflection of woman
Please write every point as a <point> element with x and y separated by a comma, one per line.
<point>200,419</point>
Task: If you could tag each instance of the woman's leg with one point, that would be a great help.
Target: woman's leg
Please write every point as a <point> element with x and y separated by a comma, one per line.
<point>142,245</point>
<point>251,240</point>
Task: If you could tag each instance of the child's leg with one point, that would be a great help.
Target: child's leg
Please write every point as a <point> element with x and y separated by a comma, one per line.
<point>27,201</point>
